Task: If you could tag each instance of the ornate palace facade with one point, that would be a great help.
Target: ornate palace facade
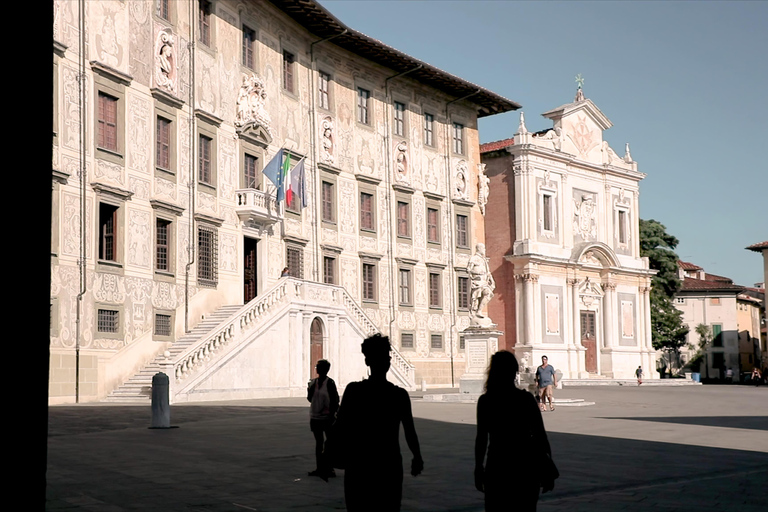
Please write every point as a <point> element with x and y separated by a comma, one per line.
<point>165,229</point>
<point>564,247</point>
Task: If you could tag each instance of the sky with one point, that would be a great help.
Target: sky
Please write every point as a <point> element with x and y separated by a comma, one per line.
<point>685,83</point>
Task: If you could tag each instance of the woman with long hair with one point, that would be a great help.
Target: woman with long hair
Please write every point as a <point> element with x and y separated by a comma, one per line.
<point>519,457</point>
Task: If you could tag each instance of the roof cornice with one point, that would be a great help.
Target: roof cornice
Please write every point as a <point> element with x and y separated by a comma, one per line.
<point>320,22</point>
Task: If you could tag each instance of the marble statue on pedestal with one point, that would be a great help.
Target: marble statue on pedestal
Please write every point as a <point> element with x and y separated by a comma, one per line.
<point>482,286</point>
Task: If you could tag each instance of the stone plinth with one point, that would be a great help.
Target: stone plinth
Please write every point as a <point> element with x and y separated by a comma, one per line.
<point>480,343</point>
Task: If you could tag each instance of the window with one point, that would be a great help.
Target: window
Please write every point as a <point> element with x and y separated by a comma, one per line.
<point>162,325</point>
<point>329,270</point>
<point>205,168</point>
<point>328,202</point>
<point>207,256</point>
<point>250,174</point>
<point>369,281</point>
<point>294,258</point>
<point>204,10</point>
<point>622,218</point>
<point>462,231</point>
<point>362,105</point>
<point>463,289</point>
<point>406,340</point>
<point>108,232</point>
<point>458,138</point>
<point>405,287</point>
<point>288,60</point>
<point>403,219</point>
<point>399,119</point>
<point>164,9</point>
<point>162,245</point>
<point>323,81</point>
<point>434,290</point>
<point>163,151</point>
<point>546,202</point>
<point>108,321</point>
<point>366,211</point>
<point>717,335</point>
<point>433,233</point>
<point>429,128</point>
<point>107,133</point>
<point>249,36</point>
<point>436,341</point>
<point>680,300</point>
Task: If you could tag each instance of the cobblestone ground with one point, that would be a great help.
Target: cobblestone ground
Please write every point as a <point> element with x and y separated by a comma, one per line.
<point>702,448</point>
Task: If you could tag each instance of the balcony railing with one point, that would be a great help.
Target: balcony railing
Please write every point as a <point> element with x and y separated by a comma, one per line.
<point>257,206</point>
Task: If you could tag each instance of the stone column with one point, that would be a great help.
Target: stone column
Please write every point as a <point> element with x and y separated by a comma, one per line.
<point>480,343</point>
<point>529,281</point>
<point>609,315</point>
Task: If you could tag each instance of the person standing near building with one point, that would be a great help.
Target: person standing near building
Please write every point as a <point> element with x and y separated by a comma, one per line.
<point>639,375</point>
<point>546,381</point>
<point>324,400</point>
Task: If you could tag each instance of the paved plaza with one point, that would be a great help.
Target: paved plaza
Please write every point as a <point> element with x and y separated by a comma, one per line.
<point>697,448</point>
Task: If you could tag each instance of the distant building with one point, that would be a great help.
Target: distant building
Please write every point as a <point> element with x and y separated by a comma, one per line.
<point>168,236</point>
<point>762,248</point>
<point>564,247</point>
<point>732,313</point>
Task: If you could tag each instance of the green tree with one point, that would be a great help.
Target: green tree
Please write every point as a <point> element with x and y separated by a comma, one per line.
<point>667,327</point>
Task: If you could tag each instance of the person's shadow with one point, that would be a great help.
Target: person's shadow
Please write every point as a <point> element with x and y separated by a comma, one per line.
<point>366,435</point>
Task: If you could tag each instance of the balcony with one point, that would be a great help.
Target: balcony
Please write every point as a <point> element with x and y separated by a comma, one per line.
<point>257,206</point>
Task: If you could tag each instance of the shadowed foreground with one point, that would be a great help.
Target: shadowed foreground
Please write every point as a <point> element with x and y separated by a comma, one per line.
<point>637,449</point>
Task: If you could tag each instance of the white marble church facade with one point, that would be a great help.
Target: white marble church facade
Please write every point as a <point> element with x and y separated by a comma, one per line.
<point>575,287</point>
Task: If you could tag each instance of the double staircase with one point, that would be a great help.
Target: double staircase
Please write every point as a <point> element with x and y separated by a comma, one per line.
<point>225,335</point>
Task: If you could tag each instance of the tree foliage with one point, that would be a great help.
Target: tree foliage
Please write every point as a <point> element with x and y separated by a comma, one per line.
<point>667,327</point>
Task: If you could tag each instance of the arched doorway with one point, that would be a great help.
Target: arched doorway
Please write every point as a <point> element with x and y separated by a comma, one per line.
<point>315,344</point>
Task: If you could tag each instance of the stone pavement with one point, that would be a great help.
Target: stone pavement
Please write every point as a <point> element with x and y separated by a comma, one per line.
<point>702,448</point>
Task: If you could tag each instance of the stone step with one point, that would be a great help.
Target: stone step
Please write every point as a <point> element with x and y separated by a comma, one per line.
<point>138,388</point>
<point>472,398</point>
<point>571,383</point>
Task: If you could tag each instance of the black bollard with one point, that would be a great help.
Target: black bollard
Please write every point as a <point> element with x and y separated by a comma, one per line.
<point>161,407</point>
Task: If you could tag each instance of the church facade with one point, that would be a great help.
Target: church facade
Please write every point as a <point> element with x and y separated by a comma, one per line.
<point>564,248</point>
<point>165,114</point>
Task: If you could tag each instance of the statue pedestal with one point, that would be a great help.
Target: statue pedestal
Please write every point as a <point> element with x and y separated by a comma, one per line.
<point>479,344</point>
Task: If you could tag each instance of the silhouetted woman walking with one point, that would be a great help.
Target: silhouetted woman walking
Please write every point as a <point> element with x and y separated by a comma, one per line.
<point>519,457</point>
<point>367,431</point>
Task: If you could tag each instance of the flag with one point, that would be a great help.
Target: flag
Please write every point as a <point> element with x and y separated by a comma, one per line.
<point>274,170</point>
<point>296,191</point>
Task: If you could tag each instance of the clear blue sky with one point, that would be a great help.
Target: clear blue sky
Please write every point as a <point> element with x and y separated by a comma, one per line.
<point>685,83</point>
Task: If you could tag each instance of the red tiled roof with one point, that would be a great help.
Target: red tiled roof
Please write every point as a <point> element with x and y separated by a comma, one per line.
<point>495,146</point>
<point>758,247</point>
<point>715,277</point>
<point>690,284</point>
<point>688,266</point>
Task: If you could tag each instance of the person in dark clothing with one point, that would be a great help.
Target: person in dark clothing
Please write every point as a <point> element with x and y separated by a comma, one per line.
<point>324,400</point>
<point>510,429</point>
<point>367,431</point>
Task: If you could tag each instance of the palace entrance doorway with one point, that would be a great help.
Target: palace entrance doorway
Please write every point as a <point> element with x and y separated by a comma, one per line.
<point>249,269</point>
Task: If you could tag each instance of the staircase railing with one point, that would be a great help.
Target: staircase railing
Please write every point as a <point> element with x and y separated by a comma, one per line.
<point>261,309</point>
<point>406,369</point>
<point>243,320</point>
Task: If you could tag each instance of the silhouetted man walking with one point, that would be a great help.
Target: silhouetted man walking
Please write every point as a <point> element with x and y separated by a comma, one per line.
<point>368,435</point>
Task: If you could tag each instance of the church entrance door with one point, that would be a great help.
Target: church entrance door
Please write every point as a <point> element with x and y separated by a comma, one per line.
<point>588,340</point>
<point>315,344</point>
<point>249,269</point>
